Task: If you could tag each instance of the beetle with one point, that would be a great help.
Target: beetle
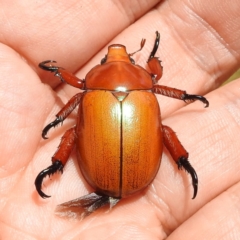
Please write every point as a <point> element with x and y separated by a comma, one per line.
<point>119,135</point>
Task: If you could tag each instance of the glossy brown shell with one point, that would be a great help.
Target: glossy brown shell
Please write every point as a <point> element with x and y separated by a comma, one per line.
<point>119,140</point>
<point>118,76</point>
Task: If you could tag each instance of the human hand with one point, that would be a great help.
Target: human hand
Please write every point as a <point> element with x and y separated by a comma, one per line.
<point>199,49</point>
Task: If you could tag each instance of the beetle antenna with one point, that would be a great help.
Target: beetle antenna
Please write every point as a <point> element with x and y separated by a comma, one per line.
<point>141,47</point>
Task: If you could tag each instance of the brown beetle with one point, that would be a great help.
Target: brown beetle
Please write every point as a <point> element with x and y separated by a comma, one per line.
<point>119,134</point>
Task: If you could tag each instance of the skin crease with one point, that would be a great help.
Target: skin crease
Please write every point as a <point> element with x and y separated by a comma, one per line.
<point>199,50</point>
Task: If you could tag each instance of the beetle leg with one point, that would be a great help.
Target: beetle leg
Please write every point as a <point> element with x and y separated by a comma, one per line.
<point>178,94</point>
<point>83,206</point>
<point>153,63</point>
<point>63,74</point>
<point>155,46</point>
<point>59,159</point>
<point>63,113</point>
<point>179,155</point>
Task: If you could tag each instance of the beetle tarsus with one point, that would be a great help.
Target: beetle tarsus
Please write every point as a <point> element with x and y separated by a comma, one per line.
<point>49,126</point>
<point>155,47</point>
<point>187,97</point>
<point>50,68</point>
<point>84,206</point>
<point>56,166</point>
<point>184,163</point>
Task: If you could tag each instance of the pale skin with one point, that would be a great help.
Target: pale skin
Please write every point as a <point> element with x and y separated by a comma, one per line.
<point>199,50</point>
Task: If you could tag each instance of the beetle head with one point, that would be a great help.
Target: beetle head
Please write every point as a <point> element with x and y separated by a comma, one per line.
<point>116,53</point>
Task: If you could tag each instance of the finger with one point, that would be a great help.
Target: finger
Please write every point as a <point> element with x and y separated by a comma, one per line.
<point>70,32</point>
<point>22,110</point>
<point>24,103</point>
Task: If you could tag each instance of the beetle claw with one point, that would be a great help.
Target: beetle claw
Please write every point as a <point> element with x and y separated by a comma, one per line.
<point>184,163</point>
<point>56,166</point>
<point>49,126</point>
<point>155,47</point>
<point>187,97</point>
<point>50,68</point>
